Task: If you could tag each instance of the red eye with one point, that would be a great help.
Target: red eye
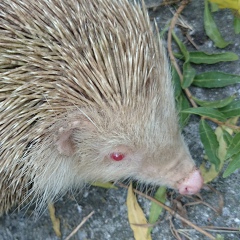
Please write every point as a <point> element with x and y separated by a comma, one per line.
<point>116,156</point>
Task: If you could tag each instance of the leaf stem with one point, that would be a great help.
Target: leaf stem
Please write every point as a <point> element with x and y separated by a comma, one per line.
<point>219,123</point>
<point>172,58</point>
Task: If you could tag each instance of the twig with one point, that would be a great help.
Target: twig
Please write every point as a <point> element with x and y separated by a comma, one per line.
<point>204,203</point>
<point>221,229</point>
<point>77,228</point>
<point>219,123</point>
<point>172,58</point>
<point>172,212</point>
<point>173,61</point>
<point>173,229</point>
<point>214,229</point>
<point>191,41</point>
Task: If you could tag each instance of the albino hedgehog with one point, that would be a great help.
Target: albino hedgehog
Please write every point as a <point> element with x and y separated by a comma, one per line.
<point>85,96</point>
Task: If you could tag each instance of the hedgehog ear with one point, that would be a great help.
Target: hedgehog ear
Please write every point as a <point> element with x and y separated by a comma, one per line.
<point>64,143</point>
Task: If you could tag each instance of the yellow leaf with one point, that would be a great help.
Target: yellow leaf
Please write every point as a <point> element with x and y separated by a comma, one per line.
<point>54,219</point>
<point>232,4</point>
<point>136,217</point>
<point>208,174</point>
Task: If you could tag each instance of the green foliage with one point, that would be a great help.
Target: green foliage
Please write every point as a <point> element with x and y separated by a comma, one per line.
<point>233,154</point>
<point>176,83</point>
<point>188,75</point>
<point>234,146</point>
<point>215,79</point>
<point>236,24</point>
<point>188,71</point>
<point>211,28</point>
<point>219,237</point>
<point>155,209</point>
<point>206,112</point>
<point>182,104</point>
<point>210,143</point>
<point>221,144</point>
<point>232,109</point>
<point>209,58</point>
<point>215,104</point>
<point>233,165</point>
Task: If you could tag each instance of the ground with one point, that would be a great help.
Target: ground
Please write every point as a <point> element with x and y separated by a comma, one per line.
<point>110,218</point>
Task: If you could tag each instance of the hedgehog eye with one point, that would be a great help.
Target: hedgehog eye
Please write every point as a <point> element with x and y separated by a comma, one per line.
<point>117,156</point>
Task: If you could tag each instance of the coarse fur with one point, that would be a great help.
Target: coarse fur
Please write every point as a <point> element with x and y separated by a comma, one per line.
<point>80,80</point>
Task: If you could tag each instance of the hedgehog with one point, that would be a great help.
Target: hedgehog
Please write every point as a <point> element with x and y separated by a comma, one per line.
<point>86,95</point>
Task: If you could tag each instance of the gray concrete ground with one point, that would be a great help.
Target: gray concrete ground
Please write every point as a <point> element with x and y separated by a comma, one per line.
<point>110,218</point>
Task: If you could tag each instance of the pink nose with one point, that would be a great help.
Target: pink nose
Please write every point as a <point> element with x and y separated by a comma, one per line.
<point>192,184</point>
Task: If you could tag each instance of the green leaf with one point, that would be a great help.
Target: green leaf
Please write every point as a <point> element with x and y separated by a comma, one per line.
<point>188,75</point>
<point>183,103</point>
<point>208,58</point>
<point>164,30</point>
<point>233,165</point>
<point>176,83</point>
<point>104,185</point>
<point>232,109</point>
<point>223,145</point>
<point>236,24</point>
<point>178,55</point>
<point>182,47</point>
<point>215,104</point>
<point>234,147</point>
<point>206,112</point>
<point>219,237</point>
<point>214,7</point>
<point>188,71</point>
<point>215,79</point>
<point>202,57</point>
<point>156,210</point>
<point>227,137</point>
<point>210,142</point>
<point>211,28</point>
<point>210,173</point>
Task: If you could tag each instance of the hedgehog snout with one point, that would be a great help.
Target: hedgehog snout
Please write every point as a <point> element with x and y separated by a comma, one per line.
<point>192,184</point>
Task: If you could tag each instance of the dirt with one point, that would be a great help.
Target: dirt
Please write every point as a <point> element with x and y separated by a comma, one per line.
<point>110,218</point>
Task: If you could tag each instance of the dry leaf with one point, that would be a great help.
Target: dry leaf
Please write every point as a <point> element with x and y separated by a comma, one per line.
<point>136,217</point>
<point>54,219</point>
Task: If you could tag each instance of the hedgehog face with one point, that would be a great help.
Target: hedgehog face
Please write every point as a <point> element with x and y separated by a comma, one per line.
<point>116,150</point>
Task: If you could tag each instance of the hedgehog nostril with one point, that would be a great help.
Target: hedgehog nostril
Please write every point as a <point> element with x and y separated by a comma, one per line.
<point>192,184</point>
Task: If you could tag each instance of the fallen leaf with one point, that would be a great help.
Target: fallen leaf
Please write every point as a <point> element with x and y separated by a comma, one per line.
<point>232,4</point>
<point>54,219</point>
<point>136,217</point>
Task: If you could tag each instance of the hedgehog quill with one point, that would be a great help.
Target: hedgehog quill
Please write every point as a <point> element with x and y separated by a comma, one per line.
<point>85,96</point>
